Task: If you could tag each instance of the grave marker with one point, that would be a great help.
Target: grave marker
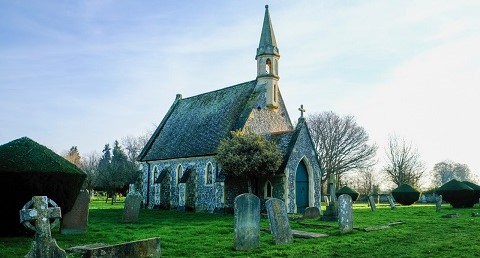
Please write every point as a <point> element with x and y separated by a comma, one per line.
<point>438,203</point>
<point>43,245</point>
<point>132,207</point>
<point>279,224</point>
<point>345,213</point>
<point>311,213</point>
<point>246,222</point>
<point>371,201</point>
<point>391,202</point>
<point>76,220</point>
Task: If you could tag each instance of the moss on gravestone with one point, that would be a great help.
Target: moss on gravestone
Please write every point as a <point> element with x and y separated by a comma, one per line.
<point>349,191</point>
<point>405,194</point>
<point>30,169</point>
<point>457,193</point>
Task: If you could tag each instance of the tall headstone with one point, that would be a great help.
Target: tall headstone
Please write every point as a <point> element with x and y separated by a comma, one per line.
<point>345,213</point>
<point>131,209</point>
<point>331,212</point>
<point>438,203</point>
<point>76,220</point>
<point>391,202</point>
<point>311,213</point>
<point>43,245</point>
<point>371,201</point>
<point>246,222</point>
<point>279,224</point>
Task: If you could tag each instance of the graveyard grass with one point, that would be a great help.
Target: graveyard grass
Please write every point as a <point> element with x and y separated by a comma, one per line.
<point>424,233</point>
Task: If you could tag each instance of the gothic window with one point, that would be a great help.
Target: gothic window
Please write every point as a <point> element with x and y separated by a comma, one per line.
<point>268,66</point>
<point>179,173</point>
<point>209,174</point>
<point>268,190</point>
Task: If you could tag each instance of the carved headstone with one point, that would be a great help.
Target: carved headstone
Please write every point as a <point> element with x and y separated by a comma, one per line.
<point>132,207</point>
<point>311,213</point>
<point>345,213</point>
<point>43,245</point>
<point>371,201</point>
<point>438,203</point>
<point>391,202</point>
<point>76,220</point>
<point>246,222</point>
<point>278,218</point>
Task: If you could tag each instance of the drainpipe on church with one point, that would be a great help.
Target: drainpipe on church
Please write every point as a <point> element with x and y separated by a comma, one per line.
<point>148,186</point>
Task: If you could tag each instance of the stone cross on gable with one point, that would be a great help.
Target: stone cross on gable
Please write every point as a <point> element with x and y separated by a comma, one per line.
<point>40,214</point>
<point>302,110</point>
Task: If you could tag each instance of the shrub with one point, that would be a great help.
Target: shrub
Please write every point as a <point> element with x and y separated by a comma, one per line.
<point>457,193</point>
<point>405,194</point>
<point>476,191</point>
<point>347,190</point>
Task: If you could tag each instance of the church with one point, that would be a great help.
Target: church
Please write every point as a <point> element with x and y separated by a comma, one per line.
<point>180,171</point>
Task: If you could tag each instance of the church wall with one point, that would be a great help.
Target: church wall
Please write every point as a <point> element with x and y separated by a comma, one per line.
<point>266,120</point>
<point>303,149</point>
<point>203,198</point>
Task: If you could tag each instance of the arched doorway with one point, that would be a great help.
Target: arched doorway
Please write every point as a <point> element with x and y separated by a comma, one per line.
<point>301,187</point>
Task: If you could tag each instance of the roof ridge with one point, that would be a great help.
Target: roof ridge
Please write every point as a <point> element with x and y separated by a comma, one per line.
<point>209,92</point>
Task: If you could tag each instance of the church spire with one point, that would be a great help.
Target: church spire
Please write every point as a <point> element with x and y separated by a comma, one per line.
<point>267,62</point>
<point>268,44</point>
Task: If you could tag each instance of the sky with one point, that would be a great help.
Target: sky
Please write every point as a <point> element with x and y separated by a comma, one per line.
<point>87,73</point>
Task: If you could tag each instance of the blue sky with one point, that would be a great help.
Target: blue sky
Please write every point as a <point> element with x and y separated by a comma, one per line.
<point>86,73</point>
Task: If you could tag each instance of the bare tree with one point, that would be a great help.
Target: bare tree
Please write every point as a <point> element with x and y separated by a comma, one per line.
<point>73,156</point>
<point>89,164</point>
<point>342,145</point>
<point>364,181</point>
<point>447,170</point>
<point>403,165</point>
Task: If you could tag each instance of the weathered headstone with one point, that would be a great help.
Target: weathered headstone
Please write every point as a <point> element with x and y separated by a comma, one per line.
<point>345,213</point>
<point>132,207</point>
<point>327,201</point>
<point>391,202</point>
<point>331,212</point>
<point>279,224</point>
<point>43,245</point>
<point>246,222</point>
<point>141,248</point>
<point>311,213</point>
<point>371,201</point>
<point>438,203</point>
<point>76,220</point>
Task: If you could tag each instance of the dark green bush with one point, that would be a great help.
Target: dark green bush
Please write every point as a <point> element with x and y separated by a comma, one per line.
<point>405,194</point>
<point>476,191</point>
<point>457,193</point>
<point>347,190</point>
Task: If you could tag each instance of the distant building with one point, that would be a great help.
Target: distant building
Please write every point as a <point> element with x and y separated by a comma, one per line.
<point>180,170</point>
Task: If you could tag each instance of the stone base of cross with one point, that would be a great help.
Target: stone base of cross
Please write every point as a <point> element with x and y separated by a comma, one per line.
<point>40,214</point>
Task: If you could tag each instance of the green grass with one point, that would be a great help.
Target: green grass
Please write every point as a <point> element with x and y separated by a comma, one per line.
<point>424,234</point>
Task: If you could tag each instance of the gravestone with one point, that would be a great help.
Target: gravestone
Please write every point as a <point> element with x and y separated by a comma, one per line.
<point>149,247</point>
<point>43,245</point>
<point>345,213</point>
<point>278,218</point>
<point>246,222</point>
<point>371,201</point>
<point>132,207</point>
<point>327,201</point>
<point>76,220</point>
<point>331,212</point>
<point>391,202</point>
<point>311,213</point>
<point>438,203</point>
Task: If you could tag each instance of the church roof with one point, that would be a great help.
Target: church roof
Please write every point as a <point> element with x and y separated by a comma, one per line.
<point>268,44</point>
<point>194,126</point>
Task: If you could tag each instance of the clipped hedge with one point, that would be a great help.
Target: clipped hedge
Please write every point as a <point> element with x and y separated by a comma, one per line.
<point>405,194</point>
<point>29,169</point>
<point>476,192</point>
<point>347,190</point>
<point>457,193</point>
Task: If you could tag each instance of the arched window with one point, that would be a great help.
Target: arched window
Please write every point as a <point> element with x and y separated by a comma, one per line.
<point>155,174</point>
<point>209,174</point>
<point>179,173</point>
<point>268,66</point>
<point>268,190</point>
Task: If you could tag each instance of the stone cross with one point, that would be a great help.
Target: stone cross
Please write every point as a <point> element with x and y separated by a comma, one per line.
<point>43,245</point>
<point>279,224</point>
<point>331,213</point>
<point>345,213</point>
<point>302,110</point>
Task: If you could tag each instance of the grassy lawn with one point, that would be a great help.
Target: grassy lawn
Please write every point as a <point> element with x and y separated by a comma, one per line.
<point>424,234</point>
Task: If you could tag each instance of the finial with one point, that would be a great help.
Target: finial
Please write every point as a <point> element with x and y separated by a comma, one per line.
<point>302,110</point>
<point>266,6</point>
